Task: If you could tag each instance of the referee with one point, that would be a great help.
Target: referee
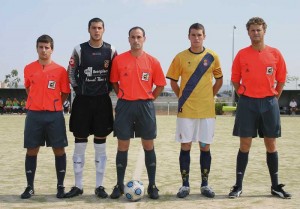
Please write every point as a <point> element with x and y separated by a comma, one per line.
<point>47,86</point>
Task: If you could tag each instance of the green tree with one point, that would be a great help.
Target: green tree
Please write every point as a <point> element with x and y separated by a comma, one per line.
<point>12,80</point>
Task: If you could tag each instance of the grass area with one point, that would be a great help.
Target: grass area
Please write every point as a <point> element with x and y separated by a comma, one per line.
<point>256,193</point>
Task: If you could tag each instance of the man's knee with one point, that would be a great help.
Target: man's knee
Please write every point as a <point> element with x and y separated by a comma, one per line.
<point>58,151</point>
<point>245,144</point>
<point>186,146</point>
<point>204,147</point>
<point>148,144</point>
<point>123,145</point>
<point>32,151</point>
<point>270,144</point>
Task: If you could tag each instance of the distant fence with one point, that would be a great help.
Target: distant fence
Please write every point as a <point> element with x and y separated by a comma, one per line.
<point>166,108</point>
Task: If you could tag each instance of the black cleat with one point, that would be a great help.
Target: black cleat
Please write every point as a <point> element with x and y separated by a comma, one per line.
<point>75,191</point>
<point>153,192</point>
<point>60,192</point>
<point>27,193</point>
<point>278,191</point>
<point>235,191</point>
<point>100,192</point>
<point>117,192</point>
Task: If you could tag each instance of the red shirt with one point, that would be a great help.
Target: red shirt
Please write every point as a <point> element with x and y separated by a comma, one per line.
<point>46,83</point>
<point>257,72</point>
<point>136,75</point>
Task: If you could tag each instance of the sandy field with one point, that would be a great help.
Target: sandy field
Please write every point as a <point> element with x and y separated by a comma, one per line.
<point>256,189</point>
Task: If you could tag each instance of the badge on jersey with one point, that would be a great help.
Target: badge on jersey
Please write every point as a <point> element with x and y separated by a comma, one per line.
<point>270,70</point>
<point>51,84</point>
<point>106,63</point>
<point>72,62</point>
<point>145,76</point>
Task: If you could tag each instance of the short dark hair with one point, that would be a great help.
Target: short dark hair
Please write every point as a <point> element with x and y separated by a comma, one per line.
<point>96,19</point>
<point>135,28</point>
<point>197,26</point>
<point>45,39</point>
<point>256,21</point>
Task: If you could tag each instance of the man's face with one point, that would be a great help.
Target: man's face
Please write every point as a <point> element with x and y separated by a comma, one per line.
<point>44,51</point>
<point>96,31</point>
<point>196,38</point>
<point>256,33</point>
<point>136,39</point>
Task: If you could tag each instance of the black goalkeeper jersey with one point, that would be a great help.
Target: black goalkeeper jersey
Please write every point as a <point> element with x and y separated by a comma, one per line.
<point>89,69</point>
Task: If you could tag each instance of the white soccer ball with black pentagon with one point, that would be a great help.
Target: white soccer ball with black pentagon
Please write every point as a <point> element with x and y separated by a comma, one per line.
<point>134,190</point>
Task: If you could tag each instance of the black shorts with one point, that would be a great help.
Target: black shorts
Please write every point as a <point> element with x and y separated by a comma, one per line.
<point>45,127</point>
<point>257,116</point>
<point>91,115</point>
<point>135,119</point>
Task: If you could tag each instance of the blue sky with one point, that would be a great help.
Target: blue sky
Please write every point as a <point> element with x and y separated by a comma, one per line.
<point>166,23</point>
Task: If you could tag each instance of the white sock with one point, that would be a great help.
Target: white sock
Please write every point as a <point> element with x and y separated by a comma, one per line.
<point>78,163</point>
<point>100,163</point>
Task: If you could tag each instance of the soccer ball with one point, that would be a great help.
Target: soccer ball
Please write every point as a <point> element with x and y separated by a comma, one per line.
<point>134,190</point>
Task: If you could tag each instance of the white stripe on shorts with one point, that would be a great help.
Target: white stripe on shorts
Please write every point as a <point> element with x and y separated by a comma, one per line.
<point>195,130</point>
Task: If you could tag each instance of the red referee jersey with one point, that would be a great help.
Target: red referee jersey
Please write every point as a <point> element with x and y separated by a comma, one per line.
<point>258,71</point>
<point>46,83</point>
<point>136,75</point>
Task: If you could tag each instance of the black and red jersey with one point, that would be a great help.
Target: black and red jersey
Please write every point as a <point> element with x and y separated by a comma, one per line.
<point>89,69</point>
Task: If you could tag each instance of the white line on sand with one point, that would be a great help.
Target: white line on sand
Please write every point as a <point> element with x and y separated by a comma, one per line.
<point>137,173</point>
<point>139,165</point>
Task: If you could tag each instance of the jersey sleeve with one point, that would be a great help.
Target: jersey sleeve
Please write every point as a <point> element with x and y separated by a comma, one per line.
<point>114,75</point>
<point>158,76</point>
<point>217,71</point>
<point>73,65</point>
<point>236,70</point>
<point>26,78</point>
<point>65,84</point>
<point>281,70</point>
<point>114,53</point>
<point>174,69</point>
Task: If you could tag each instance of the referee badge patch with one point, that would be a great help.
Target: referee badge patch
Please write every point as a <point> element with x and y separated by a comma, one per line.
<point>51,84</point>
<point>270,70</point>
<point>145,77</point>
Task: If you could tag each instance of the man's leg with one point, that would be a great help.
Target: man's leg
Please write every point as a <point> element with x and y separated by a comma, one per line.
<point>100,164</point>
<point>121,164</point>
<point>184,164</point>
<point>205,163</point>
<point>272,162</point>
<point>150,162</point>
<point>61,166</point>
<point>78,164</point>
<point>79,160</point>
<point>241,164</point>
<point>30,168</point>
